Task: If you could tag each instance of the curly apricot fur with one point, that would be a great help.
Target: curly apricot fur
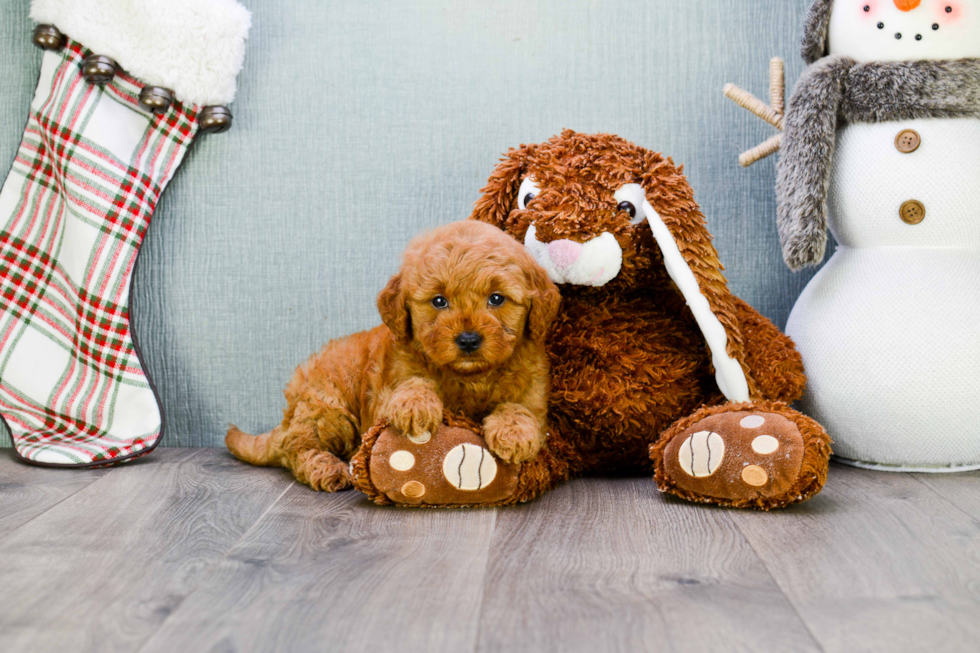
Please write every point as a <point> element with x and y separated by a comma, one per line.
<point>410,369</point>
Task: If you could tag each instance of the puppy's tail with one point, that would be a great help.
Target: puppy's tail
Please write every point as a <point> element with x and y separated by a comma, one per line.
<point>254,449</point>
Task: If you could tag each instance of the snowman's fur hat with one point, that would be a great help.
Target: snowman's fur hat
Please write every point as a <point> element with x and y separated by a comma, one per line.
<point>815,30</point>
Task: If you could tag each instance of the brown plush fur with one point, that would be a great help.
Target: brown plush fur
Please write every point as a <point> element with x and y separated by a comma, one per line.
<point>627,358</point>
<point>811,478</point>
<point>538,475</point>
<point>410,369</point>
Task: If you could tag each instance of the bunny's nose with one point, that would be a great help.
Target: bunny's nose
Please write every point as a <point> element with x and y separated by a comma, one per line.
<point>564,253</point>
<point>907,5</point>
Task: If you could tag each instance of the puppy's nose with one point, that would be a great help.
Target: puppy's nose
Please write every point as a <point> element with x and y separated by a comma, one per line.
<point>469,341</point>
<point>564,253</point>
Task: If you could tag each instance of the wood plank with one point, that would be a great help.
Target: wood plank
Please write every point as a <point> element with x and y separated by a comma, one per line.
<point>102,569</point>
<point>334,572</point>
<point>877,562</point>
<point>612,565</point>
<point>27,491</point>
<point>961,489</point>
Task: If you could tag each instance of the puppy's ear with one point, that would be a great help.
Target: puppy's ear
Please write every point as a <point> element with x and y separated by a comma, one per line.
<point>394,309</point>
<point>499,196</point>
<point>545,302</point>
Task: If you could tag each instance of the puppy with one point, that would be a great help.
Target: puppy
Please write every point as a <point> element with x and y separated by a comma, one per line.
<point>465,321</point>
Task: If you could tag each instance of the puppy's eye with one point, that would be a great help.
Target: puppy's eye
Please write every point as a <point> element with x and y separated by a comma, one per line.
<point>496,299</point>
<point>628,207</point>
<point>440,302</point>
<point>528,191</point>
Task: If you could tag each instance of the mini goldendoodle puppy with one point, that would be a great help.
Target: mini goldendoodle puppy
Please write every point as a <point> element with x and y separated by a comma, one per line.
<point>465,321</point>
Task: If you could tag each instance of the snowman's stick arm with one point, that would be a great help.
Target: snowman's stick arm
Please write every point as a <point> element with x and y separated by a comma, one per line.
<point>748,101</point>
<point>772,113</point>
<point>761,151</point>
<point>777,85</point>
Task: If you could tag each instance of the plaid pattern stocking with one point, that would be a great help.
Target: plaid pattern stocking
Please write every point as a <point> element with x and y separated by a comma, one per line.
<point>73,212</point>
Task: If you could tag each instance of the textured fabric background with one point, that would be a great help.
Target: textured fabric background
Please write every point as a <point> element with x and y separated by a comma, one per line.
<point>358,124</point>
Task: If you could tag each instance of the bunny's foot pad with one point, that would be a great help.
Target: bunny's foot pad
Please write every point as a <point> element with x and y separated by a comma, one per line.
<point>450,468</point>
<point>753,455</point>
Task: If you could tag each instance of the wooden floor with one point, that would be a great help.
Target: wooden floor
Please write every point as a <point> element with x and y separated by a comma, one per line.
<point>190,550</point>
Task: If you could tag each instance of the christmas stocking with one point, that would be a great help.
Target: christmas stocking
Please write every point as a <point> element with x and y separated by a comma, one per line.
<point>125,87</point>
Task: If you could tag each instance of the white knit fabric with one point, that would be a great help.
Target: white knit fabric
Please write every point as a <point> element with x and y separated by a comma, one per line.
<point>888,328</point>
<point>871,179</point>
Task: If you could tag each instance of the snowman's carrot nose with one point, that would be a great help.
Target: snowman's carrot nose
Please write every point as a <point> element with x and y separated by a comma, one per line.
<point>907,5</point>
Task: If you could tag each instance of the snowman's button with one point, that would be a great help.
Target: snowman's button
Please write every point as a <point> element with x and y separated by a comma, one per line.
<point>912,212</point>
<point>908,141</point>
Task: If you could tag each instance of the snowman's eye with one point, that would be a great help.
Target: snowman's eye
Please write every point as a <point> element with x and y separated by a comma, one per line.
<point>528,191</point>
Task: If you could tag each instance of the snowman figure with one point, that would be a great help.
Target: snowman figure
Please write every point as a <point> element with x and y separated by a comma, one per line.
<point>881,144</point>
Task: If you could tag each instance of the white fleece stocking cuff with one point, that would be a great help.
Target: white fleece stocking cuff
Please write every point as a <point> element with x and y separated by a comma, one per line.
<point>193,47</point>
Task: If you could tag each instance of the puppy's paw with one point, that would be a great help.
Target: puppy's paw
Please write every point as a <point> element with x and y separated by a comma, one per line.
<point>323,471</point>
<point>415,410</point>
<point>512,433</point>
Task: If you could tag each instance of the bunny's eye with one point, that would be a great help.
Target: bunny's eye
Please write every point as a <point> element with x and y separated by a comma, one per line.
<point>631,199</point>
<point>529,190</point>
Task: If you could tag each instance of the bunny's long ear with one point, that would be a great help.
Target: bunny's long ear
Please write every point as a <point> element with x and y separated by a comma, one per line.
<point>701,283</point>
<point>692,262</point>
<point>499,197</point>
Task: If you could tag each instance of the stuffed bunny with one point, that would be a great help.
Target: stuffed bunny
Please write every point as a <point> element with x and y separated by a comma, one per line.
<point>655,364</point>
